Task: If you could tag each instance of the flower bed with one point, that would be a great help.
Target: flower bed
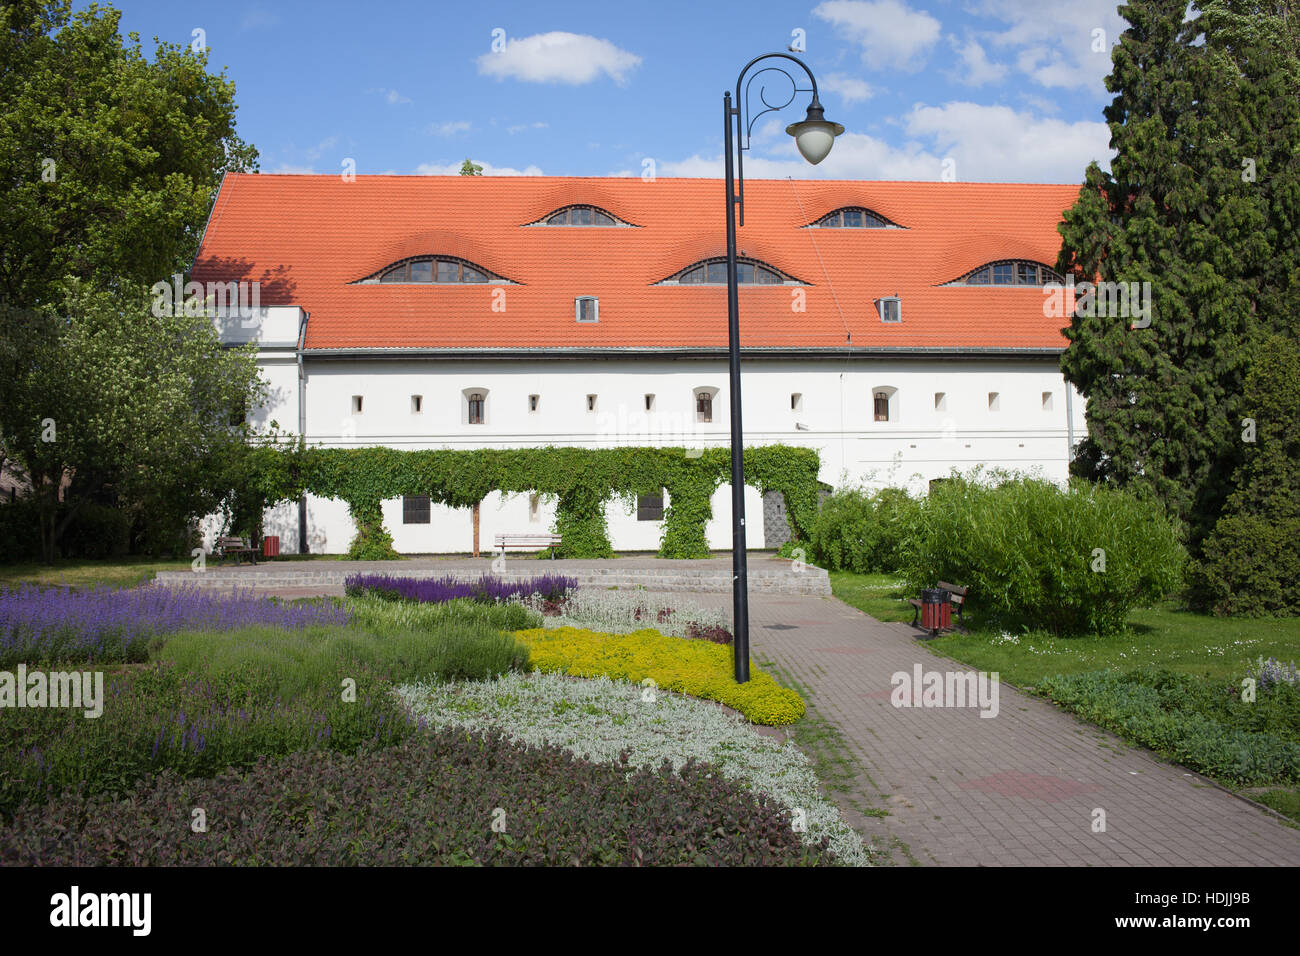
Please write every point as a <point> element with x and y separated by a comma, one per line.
<point>431,800</point>
<point>217,700</point>
<point>613,722</point>
<point>698,668</point>
<point>104,625</point>
<point>487,589</point>
<point>621,612</point>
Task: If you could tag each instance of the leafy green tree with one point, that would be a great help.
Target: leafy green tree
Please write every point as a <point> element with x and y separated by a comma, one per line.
<point>124,408</point>
<point>1202,201</point>
<point>109,162</point>
<point>1251,563</point>
<point>470,168</point>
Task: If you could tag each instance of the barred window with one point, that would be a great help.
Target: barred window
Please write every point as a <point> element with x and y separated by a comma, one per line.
<point>415,509</point>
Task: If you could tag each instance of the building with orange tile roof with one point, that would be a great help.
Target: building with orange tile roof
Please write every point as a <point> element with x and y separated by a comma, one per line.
<point>901,328</point>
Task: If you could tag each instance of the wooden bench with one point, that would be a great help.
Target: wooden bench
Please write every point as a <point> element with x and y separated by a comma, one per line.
<point>527,541</point>
<point>236,547</point>
<point>956,597</point>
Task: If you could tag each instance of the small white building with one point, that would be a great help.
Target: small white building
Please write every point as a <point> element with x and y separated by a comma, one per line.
<point>901,329</point>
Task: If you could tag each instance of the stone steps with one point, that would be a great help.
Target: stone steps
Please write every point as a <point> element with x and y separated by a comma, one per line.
<point>806,580</point>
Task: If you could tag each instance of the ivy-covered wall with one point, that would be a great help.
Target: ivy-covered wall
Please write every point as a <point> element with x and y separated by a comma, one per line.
<point>580,480</point>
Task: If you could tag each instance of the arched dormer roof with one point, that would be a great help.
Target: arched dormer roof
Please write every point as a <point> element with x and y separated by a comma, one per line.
<point>576,192</point>
<point>434,243</point>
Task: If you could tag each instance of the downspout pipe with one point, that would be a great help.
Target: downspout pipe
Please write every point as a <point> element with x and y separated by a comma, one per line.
<point>302,427</point>
<point>1069,424</point>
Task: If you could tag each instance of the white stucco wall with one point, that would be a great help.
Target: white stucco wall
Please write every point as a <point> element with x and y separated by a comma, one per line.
<point>835,416</point>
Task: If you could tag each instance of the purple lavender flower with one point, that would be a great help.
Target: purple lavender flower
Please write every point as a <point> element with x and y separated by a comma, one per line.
<point>104,625</point>
<point>486,589</point>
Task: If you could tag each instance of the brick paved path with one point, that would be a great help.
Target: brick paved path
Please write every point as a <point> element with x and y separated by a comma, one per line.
<point>1019,788</point>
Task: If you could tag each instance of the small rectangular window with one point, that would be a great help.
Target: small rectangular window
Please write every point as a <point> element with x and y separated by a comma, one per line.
<point>587,309</point>
<point>704,407</point>
<point>882,406</point>
<point>417,404</point>
<point>591,403</point>
<point>1047,401</point>
<point>649,402</point>
<point>476,409</point>
<point>940,401</point>
<point>994,401</point>
<point>796,402</point>
<point>356,404</point>
<point>415,509</point>
<point>422,271</point>
<point>534,508</point>
<point>650,507</point>
<point>891,310</point>
<point>534,402</point>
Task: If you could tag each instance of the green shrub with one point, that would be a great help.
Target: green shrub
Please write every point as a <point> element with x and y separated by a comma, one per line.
<point>431,800</point>
<point>1202,724</point>
<point>374,612</point>
<point>299,662</point>
<point>20,530</point>
<point>861,531</point>
<point>1250,563</point>
<point>95,531</point>
<point>1035,556</point>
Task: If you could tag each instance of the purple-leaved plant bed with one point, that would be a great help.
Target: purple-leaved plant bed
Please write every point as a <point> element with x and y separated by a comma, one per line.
<point>552,587</point>
<point>104,625</point>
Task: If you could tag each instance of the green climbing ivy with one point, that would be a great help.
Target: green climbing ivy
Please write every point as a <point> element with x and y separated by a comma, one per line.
<point>579,480</point>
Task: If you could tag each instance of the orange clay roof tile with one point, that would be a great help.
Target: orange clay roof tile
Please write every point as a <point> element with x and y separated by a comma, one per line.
<point>309,239</point>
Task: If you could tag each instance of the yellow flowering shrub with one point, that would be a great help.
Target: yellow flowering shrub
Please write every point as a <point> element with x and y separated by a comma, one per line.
<point>692,667</point>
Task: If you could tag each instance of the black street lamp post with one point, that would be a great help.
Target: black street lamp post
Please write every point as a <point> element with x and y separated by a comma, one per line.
<point>814,137</point>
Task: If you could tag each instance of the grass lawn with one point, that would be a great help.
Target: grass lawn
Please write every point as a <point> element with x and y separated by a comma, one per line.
<point>1195,644</point>
<point>114,572</point>
<point>1201,646</point>
<point>78,573</point>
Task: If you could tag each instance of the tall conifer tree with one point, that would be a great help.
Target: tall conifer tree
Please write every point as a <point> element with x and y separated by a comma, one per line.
<point>1202,201</point>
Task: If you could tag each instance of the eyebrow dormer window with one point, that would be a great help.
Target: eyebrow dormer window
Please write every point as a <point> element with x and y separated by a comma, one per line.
<point>1013,272</point>
<point>714,272</point>
<point>580,216</point>
<point>852,217</point>
<point>429,269</point>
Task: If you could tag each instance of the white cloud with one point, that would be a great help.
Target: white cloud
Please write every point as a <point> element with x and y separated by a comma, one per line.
<point>978,69</point>
<point>453,169</point>
<point>523,126</point>
<point>1058,50</point>
<point>317,151</point>
<point>999,144</point>
<point>987,144</point>
<point>450,128</point>
<point>850,89</point>
<point>559,57</point>
<point>393,97</point>
<point>890,32</point>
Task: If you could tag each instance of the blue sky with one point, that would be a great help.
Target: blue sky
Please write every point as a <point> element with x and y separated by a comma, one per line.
<point>1006,90</point>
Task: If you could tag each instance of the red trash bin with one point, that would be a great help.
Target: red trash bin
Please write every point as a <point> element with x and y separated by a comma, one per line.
<point>936,610</point>
<point>271,546</point>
